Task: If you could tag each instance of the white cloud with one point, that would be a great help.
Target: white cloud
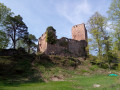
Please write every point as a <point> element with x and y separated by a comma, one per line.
<point>75,12</point>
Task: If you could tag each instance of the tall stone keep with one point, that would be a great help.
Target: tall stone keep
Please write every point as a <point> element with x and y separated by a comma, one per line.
<point>79,32</point>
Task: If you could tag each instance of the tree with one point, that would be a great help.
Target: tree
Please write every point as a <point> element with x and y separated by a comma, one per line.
<point>100,37</point>
<point>15,28</point>
<point>30,41</point>
<point>21,43</point>
<point>114,18</point>
<point>96,26</point>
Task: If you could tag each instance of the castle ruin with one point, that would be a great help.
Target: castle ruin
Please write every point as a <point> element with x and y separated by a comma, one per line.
<point>75,47</point>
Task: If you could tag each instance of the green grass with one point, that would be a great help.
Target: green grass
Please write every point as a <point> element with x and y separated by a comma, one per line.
<point>26,72</point>
<point>74,83</point>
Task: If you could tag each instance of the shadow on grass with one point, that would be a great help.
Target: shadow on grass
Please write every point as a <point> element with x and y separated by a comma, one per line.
<point>18,69</point>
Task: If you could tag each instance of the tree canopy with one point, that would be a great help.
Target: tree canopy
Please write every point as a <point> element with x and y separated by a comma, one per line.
<point>4,12</point>
<point>30,42</point>
<point>15,28</point>
<point>4,40</point>
<point>114,18</point>
<point>51,35</point>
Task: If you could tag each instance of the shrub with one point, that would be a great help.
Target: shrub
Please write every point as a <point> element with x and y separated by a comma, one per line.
<point>42,56</point>
<point>84,71</point>
<point>118,67</point>
<point>51,35</point>
<point>57,57</point>
<point>41,68</point>
<point>94,67</point>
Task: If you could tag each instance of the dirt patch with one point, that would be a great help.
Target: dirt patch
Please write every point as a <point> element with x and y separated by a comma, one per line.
<point>57,78</point>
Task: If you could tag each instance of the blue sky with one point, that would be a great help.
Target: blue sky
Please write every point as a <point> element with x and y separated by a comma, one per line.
<point>61,14</point>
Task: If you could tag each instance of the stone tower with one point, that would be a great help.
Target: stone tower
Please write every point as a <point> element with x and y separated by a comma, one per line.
<point>79,32</point>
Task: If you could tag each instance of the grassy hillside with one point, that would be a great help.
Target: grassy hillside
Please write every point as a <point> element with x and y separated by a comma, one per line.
<point>41,72</point>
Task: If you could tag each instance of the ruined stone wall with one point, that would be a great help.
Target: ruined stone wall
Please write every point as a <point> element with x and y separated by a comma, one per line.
<point>42,44</point>
<point>49,49</point>
<point>77,47</point>
<point>64,46</point>
<point>54,49</point>
<point>74,46</point>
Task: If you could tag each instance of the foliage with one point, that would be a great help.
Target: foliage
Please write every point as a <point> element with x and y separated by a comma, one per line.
<point>118,67</point>
<point>4,12</point>
<point>101,41</point>
<point>4,40</point>
<point>94,67</point>
<point>114,19</point>
<point>42,56</point>
<point>30,41</point>
<point>50,28</point>
<point>15,28</point>
<point>51,35</point>
<point>21,43</point>
<point>97,25</point>
<point>114,11</point>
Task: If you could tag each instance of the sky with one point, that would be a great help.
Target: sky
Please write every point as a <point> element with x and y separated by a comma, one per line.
<point>61,14</point>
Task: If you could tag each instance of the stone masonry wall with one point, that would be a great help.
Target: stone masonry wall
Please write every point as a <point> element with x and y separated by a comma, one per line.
<point>42,44</point>
<point>79,32</point>
<point>67,47</point>
<point>74,47</point>
<point>54,49</point>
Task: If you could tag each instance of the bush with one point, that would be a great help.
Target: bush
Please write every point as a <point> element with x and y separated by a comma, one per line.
<point>51,35</point>
<point>84,71</point>
<point>42,56</point>
<point>94,67</point>
<point>42,68</point>
<point>57,57</point>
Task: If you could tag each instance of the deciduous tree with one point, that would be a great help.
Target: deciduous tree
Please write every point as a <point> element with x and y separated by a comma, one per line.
<point>114,19</point>
<point>100,41</point>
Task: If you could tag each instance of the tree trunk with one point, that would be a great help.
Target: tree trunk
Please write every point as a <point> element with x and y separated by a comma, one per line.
<point>109,65</point>
<point>14,41</point>
<point>29,49</point>
<point>99,50</point>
